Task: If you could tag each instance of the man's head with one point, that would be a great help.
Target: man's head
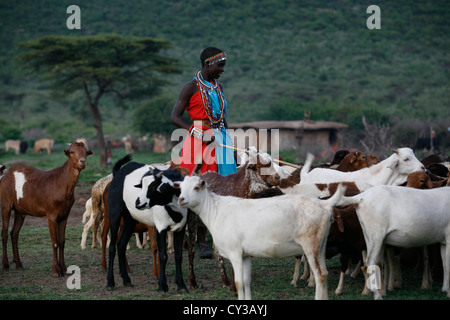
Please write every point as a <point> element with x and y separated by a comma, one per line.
<point>211,56</point>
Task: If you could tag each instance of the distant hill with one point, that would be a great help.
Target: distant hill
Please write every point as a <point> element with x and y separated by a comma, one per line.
<point>283,57</point>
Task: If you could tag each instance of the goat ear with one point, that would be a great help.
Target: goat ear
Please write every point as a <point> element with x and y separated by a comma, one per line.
<point>263,163</point>
<point>395,150</point>
<point>393,164</point>
<point>176,185</point>
<point>340,223</point>
<point>89,152</point>
<point>201,184</point>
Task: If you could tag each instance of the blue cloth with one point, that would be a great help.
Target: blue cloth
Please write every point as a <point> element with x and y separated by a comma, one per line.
<point>225,156</point>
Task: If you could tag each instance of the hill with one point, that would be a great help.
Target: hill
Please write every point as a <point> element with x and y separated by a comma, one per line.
<point>283,57</point>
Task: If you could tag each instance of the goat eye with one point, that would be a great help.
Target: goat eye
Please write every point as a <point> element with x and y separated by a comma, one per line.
<point>406,159</point>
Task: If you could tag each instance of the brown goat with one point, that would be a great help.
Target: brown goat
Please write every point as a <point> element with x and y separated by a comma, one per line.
<point>30,191</point>
<point>355,161</point>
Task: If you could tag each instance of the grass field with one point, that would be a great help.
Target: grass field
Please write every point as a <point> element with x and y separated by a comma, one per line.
<point>270,277</point>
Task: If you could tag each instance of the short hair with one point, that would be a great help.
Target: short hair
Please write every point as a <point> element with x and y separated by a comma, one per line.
<point>208,53</point>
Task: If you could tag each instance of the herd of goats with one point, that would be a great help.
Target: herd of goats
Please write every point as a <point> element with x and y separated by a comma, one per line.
<point>356,206</point>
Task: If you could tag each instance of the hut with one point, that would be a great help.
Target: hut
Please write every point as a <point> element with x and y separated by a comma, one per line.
<point>302,135</point>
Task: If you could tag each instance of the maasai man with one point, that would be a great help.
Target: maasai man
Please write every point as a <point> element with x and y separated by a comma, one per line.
<point>203,99</point>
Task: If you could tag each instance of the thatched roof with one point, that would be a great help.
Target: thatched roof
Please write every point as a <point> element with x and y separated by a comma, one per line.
<point>292,125</point>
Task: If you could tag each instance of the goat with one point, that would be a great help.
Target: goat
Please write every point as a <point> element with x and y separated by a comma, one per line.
<point>88,214</point>
<point>96,211</point>
<point>403,217</point>
<point>392,171</point>
<point>248,182</point>
<point>2,170</point>
<point>418,180</point>
<point>140,227</point>
<point>30,191</point>
<point>277,227</point>
<point>345,236</point>
<point>132,184</point>
<point>42,144</point>
<point>12,144</point>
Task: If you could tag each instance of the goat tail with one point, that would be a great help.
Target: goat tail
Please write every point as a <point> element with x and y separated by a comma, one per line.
<point>346,201</point>
<point>336,198</point>
<point>307,165</point>
<point>120,163</point>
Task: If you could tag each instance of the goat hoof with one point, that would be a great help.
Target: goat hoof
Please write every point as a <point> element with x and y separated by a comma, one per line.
<point>110,288</point>
<point>163,290</point>
<point>128,284</point>
<point>182,290</point>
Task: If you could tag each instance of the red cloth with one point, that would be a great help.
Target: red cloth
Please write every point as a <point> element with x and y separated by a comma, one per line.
<point>195,107</point>
<point>190,155</point>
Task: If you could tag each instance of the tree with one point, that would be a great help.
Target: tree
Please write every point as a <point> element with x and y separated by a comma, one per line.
<point>127,68</point>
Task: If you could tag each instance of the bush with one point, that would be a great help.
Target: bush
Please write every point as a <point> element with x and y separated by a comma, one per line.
<point>9,132</point>
<point>154,116</point>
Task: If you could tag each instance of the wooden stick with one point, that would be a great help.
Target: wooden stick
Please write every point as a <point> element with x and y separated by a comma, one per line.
<point>276,160</point>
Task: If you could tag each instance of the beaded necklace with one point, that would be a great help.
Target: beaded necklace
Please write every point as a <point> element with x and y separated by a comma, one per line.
<point>215,118</point>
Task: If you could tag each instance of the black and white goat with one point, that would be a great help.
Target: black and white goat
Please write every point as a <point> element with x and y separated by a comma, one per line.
<point>160,209</point>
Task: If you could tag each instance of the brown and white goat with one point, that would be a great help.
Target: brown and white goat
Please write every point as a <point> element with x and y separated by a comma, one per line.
<point>30,191</point>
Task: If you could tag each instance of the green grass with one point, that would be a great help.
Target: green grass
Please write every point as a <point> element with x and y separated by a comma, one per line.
<point>91,173</point>
<point>270,277</point>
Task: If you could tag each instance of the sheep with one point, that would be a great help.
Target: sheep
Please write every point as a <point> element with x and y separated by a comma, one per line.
<point>403,217</point>
<point>143,193</point>
<point>30,191</point>
<point>277,227</point>
<point>391,171</point>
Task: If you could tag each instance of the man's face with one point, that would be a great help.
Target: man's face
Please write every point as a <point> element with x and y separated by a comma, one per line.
<point>217,69</point>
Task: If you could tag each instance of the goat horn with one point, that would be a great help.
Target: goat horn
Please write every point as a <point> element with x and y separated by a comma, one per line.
<point>197,169</point>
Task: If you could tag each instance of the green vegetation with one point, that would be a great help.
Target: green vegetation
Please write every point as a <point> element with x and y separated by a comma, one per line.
<point>99,65</point>
<point>283,57</point>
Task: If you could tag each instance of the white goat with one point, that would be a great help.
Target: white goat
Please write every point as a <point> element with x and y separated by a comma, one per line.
<point>283,226</point>
<point>404,217</point>
<point>392,171</point>
<point>88,214</point>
